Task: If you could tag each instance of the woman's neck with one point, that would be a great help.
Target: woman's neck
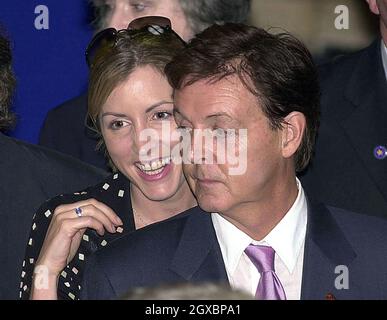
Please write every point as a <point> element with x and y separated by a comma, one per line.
<point>150,211</point>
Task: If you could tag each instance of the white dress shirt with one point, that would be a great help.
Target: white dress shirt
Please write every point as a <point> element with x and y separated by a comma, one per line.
<point>287,239</point>
<point>384,57</point>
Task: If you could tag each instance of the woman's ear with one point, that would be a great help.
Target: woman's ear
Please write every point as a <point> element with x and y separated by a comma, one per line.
<point>292,133</point>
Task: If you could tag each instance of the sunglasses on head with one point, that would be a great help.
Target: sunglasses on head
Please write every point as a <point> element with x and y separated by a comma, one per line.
<point>155,25</point>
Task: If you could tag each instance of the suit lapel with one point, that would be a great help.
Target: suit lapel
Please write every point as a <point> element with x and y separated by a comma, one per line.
<point>366,126</point>
<point>198,256</point>
<point>325,248</point>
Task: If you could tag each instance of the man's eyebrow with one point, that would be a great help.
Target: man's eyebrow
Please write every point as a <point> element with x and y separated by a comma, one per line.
<point>220,114</point>
<point>216,115</point>
<point>224,117</point>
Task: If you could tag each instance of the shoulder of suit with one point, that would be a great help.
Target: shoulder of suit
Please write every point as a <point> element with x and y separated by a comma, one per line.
<point>361,226</point>
<point>70,108</point>
<point>341,66</point>
<point>158,238</point>
<point>47,161</point>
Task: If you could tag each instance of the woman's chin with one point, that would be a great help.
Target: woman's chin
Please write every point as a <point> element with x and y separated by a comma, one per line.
<point>158,195</point>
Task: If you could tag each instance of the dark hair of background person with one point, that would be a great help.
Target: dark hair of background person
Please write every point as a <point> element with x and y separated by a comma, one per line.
<point>187,291</point>
<point>7,83</point>
<point>200,13</point>
<point>112,66</point>
<point>277,68</point>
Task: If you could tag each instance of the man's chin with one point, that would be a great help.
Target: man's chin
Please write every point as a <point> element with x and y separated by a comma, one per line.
<point>211,204</point>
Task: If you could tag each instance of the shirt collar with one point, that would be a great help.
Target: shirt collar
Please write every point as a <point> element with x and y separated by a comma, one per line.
<point>384,57</point>
<point>286,238</point>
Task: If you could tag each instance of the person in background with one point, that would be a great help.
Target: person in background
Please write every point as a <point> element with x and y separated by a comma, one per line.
<point>349,169</point>
<point>259,230</point>
<point>128,94</point>
<point>64,127</point>
<point>187,291</point>
<point>28,176</point>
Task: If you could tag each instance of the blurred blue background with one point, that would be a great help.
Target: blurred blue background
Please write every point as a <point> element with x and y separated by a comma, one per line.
<point>49,64</point>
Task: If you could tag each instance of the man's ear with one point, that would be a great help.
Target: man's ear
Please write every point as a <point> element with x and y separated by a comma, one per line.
<point>292,133</point>
<point>373,6</point>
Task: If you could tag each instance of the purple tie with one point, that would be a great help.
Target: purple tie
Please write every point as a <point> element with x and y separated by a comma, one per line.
<point>269,286</point>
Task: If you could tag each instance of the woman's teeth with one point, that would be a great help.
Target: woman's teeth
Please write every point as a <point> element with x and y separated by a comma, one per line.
<point>154,167</point>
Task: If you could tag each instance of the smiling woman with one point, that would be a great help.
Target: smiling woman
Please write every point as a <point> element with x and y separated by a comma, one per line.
<point>128,93</point>
<point>141,102</point>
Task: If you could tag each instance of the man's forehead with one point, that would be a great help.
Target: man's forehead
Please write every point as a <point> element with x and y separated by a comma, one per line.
<point>230,86</point>
<point>223,100</point>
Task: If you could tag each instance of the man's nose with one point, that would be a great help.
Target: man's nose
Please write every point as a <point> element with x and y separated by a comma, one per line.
<point>120,17</point>
<point>201,147</point>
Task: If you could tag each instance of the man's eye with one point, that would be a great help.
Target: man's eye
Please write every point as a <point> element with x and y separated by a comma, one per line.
<point>220,133</point>
<point>162,115</point>
<point>138,7</point>
<point>182,128</point>
<point>231,133</point>
<point>223,133</point>
<point>117,124</point>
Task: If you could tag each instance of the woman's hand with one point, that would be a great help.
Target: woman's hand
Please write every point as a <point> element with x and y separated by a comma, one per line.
<point>65,233</point>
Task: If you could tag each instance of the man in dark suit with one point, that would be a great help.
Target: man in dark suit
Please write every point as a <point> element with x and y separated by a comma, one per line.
<point>28,176</point>
<point>187,250</point>
<point>64,127</point>
<point>258,94</point>
<point>65,130</point>
<point>349,169</point>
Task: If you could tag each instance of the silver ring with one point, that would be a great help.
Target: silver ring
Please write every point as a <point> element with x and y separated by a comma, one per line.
<point>78,212</point>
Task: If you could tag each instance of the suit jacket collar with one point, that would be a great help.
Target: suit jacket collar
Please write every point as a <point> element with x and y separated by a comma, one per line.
<point>199,244</point>
<point>368,80</point>
<point>199,258</point>
<point>365,124</point>
<point>326,247</point>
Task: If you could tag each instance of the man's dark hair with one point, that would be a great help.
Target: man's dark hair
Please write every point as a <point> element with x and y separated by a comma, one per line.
<point>203,13</point>
<point>199,13</point>
<point>7,83</point>
<point>277,68</point>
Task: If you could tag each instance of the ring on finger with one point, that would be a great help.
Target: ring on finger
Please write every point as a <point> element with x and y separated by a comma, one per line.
<point>78,211</point>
